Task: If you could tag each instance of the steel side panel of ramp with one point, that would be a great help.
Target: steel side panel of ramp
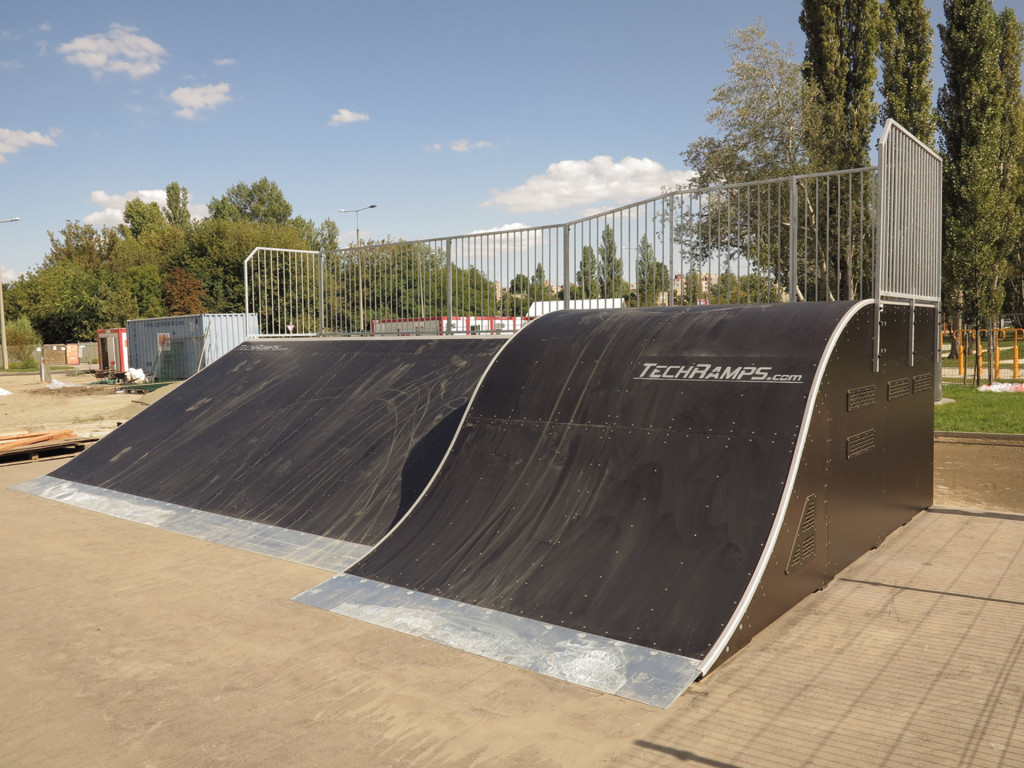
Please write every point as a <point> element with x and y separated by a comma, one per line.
<point>330,437</point>
<point>618,474</point>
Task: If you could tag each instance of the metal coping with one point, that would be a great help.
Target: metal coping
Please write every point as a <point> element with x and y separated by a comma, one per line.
<point>610,666</point>
<point>285,544</point>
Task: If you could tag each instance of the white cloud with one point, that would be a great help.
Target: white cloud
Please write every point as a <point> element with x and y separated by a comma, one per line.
<point>12,64</point>
<point>12,142</point>
<point>192,100</point>
<point>45,27</point>
<point>464,145</point>
<point>576,183</point>
<point>435,147</point>
<point>224,62</point>
<point>119,50</point>
<point>345,116</point>
<point>112,206</point>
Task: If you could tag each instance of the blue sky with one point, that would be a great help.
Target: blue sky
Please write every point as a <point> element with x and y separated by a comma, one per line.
<point>450,117</point>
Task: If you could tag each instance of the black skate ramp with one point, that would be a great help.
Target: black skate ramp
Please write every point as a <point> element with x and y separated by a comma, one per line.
<point>634,493</point>
<point>292,443</point>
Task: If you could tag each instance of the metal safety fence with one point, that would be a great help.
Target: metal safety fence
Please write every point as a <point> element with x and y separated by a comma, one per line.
<point>967,354</point>
<point>860,233</point>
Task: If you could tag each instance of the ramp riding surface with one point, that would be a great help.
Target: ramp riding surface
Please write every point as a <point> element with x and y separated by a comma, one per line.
<point>628,474</point>
<point>329,437</point>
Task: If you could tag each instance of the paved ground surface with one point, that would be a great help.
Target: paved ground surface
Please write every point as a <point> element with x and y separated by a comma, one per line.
<point>123,645</point>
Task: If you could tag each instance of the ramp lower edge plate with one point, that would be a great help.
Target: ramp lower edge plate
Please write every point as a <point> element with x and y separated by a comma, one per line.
<point>285,544</point>
<point>610,666</point>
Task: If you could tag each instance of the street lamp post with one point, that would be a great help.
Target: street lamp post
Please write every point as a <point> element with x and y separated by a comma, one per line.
<point>356,212</point>
<point>3,318</point>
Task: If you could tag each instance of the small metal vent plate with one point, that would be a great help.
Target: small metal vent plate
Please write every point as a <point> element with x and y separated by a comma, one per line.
<point>861,397</point>
<point>923,382</point>
<point>859,444</point>
<point>805,541</point>
<point>899,388</point>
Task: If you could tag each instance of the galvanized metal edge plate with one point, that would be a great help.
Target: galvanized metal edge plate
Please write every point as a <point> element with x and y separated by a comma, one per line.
<point>285,544</point>
<point>610,666</point>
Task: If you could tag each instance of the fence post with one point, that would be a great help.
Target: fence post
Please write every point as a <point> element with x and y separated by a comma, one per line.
<point>670,240</point>
<point>448,272</point>
<point>323,313</point>
<point>794,223</point>
<point>566,266</point>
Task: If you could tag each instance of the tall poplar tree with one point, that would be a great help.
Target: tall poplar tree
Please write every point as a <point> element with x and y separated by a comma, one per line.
<point>905,49</point>
<point>1011,36</point>
<point>842,41</point>
<point>841,45</point>
<point>970,120</point>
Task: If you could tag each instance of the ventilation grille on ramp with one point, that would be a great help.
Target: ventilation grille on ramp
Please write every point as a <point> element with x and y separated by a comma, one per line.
<point>861,397</point>
<point>860,443</point>
<point>805,542</point>
<point>899,388</point>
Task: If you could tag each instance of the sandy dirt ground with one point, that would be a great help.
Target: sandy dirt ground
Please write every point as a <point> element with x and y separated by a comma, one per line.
<point>124,645</point>
<point>89,408</point>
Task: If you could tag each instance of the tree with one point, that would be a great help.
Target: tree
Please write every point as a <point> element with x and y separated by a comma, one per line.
<point>262,202</point>
<point>64,302</point>
<point>652,277</point>
<point>81,244</point>
<point>842,41</point>
<point>758,115</point>
<point>176,212</point>
<point>970,120</point>
<point>141,219</point>
<point>182,292</point>
<point>905,49</point>
<point>1011,241</point>
<point>586,275</point>
<point>609,266</point>
<point>322,238</point>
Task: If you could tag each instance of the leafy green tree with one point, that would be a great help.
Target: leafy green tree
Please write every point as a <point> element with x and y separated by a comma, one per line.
<point>262,202</point>
<point>64,302</point>
<point>317,238</point>
<point>971,110</point>
<point>22,341</point>
<point>758,115</point>
<point>519,285</point>
<point>218,253</point>
<point>905,49</point>
<point>176,212</point>
<point>586,275</point>
<point>842,41</point>
<point>81,244</point>
<point>609,266</point>
<point>1011,241</point>
<point>141,219</point>
<point>652,278</point>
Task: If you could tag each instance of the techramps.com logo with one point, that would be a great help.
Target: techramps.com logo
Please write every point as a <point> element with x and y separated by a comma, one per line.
<point>666,371</point>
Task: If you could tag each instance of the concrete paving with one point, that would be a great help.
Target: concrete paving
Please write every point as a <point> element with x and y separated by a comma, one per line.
<point>124,645</point>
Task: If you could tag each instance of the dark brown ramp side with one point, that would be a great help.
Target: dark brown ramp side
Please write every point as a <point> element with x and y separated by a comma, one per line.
<point>331,437</point>
<point>625,474</point>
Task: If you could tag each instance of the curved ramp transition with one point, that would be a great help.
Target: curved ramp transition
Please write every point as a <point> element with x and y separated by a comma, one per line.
<point>632,494</point>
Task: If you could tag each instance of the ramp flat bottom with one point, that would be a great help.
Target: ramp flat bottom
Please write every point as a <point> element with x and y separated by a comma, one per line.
<point>294,546</point>
<point>610,666</point>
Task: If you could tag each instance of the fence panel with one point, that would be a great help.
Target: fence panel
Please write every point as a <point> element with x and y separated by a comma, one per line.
<point>855,234</point>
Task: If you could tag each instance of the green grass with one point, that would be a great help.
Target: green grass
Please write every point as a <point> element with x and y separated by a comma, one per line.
<point>975,411</point>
